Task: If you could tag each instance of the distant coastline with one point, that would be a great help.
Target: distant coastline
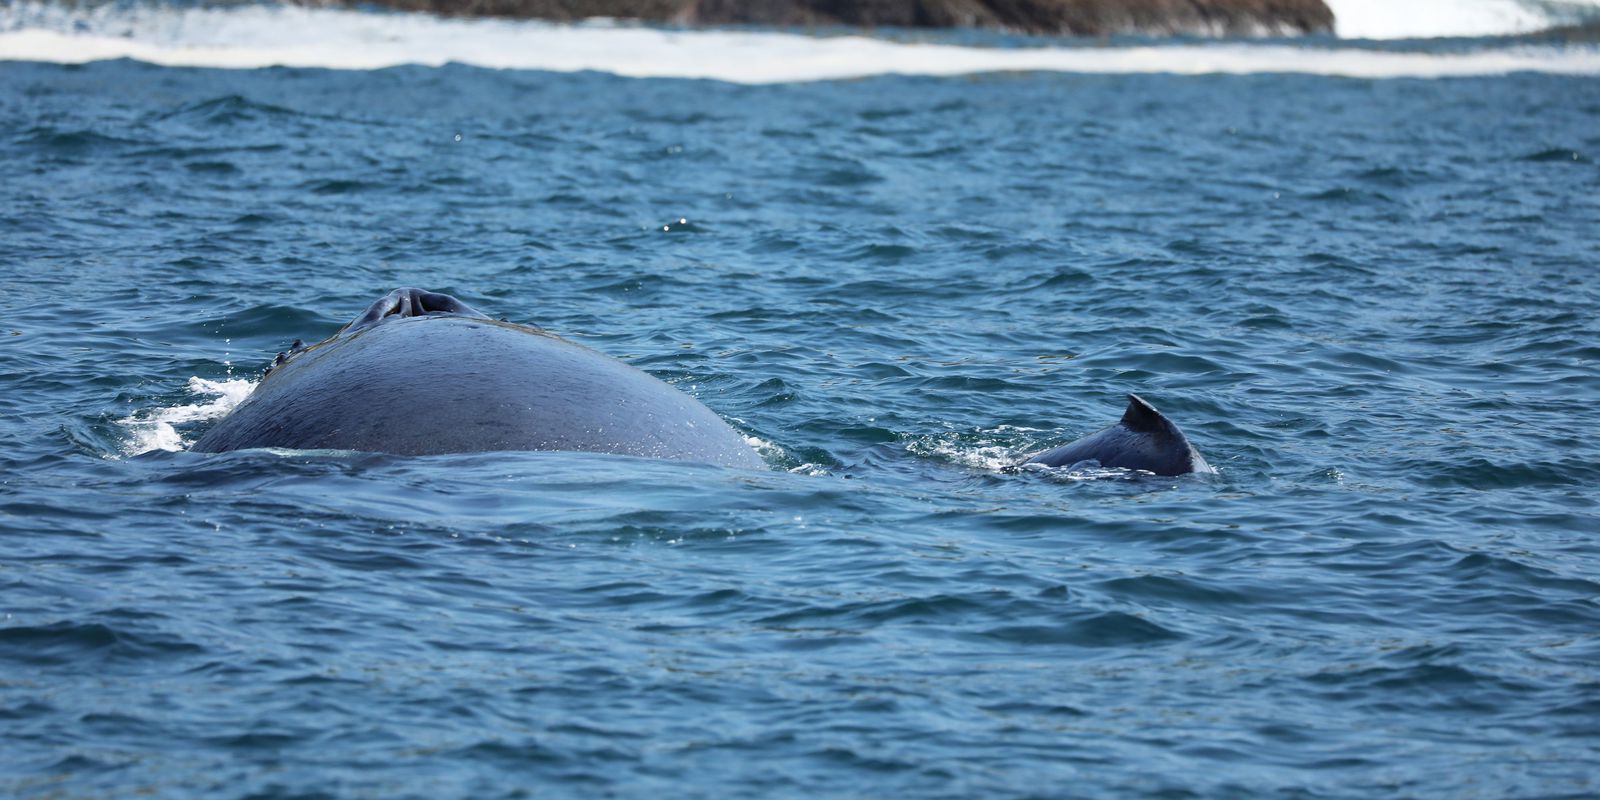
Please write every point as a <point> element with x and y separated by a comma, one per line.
<point>1052,17</point>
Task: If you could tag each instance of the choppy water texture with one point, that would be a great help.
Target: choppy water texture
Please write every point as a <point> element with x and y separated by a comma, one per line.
<point>1370,303</point>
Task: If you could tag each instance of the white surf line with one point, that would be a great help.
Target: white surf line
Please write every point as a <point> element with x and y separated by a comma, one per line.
<point>255,37</point>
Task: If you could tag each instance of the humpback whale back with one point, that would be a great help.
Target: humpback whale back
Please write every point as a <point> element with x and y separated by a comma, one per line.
<point>419,373</point>
<point>1144,439</point>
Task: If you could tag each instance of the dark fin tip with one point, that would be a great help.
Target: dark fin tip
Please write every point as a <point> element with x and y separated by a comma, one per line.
<point>1143,417</point>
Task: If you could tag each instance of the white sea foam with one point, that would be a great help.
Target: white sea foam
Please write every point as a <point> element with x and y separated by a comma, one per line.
<point>1086,471</point>
<point>267,35</point>
<point>988,450</point>
<point>157,429</point>
<point>1429,19</point>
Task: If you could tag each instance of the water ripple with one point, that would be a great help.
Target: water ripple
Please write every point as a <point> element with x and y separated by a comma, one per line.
<point>1369,303</point>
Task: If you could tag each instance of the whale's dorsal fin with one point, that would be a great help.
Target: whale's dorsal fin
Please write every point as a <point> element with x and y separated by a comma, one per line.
<point>1143,417</point>
<point>1143,439</point>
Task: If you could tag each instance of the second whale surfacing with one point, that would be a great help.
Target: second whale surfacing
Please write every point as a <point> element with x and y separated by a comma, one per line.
<point>422,373</point>
<point>1144,439</point>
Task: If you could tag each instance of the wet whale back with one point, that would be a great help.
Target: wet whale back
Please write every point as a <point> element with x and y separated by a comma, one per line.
<point>445,382</point>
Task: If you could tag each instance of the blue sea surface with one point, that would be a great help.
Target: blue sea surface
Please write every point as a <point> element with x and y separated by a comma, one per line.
<point>1372,305</point>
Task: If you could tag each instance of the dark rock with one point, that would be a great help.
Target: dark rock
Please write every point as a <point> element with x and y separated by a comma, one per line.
<point>1061,17</point>
<point>1581,33</point>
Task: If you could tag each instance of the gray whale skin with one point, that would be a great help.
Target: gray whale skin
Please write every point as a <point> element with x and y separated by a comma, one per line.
<point>422,373</point>
<point>1144,439</point>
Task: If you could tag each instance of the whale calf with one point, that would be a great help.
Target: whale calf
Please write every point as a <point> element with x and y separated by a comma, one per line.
<point>1144,439</point>
<point>422,373</point>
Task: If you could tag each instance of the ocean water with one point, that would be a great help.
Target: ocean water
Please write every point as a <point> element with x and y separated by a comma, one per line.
<point>1369,301</point>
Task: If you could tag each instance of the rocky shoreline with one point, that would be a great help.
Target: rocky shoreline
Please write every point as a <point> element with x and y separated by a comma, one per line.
<point>1053,17</point>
